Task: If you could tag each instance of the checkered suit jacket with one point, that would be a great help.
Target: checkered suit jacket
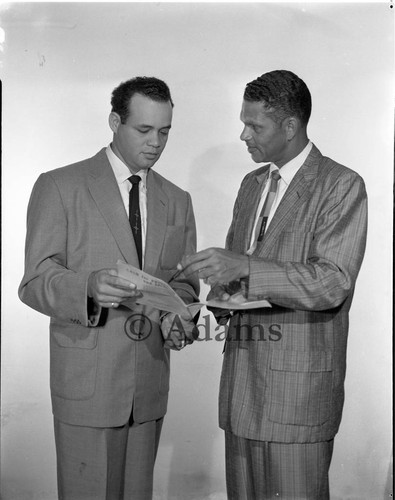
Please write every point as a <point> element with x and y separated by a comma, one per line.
<point>284,367</point>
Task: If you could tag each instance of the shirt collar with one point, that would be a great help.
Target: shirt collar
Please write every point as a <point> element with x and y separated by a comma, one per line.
<point>121,171</point>
<point>289,170</point>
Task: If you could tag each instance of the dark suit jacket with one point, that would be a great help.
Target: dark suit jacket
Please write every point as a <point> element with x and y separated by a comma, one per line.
<point>76,224</point>
<point>285,381</point>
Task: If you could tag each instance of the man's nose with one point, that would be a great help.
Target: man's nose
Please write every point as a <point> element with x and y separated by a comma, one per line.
<point>245,134</point>
<point>153,140</point>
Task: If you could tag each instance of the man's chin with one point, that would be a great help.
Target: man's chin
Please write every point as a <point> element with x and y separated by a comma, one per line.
<point>147,164</point>
<point>256,157</point>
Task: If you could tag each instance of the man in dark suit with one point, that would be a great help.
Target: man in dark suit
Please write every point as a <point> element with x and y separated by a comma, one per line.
<point>297,239</point>
<point>109,365</point>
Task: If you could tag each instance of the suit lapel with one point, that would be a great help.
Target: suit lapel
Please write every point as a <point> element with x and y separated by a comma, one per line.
<point>157,206</point>
<point>248,210</point>
<point>105,192</point>
<point>295,195</point>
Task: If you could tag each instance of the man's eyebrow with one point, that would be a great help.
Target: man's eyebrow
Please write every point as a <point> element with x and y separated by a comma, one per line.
<point>143,125</point>
<point>251,122</point>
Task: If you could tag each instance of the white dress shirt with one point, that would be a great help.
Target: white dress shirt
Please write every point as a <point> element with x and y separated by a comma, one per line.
<point>122,174</point>
<point>287,173</point>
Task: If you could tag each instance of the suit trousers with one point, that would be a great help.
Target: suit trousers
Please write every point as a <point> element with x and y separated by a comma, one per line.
<point>260,470</point>
<point>106,463</point>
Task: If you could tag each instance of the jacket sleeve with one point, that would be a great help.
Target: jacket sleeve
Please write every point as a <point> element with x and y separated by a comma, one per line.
<point>334,258</point>
<point>48,285</point>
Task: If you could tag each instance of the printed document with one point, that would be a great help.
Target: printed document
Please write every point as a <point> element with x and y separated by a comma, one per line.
<point>159,294</point>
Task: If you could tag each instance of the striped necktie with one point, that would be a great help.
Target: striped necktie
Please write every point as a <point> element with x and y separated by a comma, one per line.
<point>270,197</point>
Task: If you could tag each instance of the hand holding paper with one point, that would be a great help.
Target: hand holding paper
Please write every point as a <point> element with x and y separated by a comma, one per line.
<point>109,289</point>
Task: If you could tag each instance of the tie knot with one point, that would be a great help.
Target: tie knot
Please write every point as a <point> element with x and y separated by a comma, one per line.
<point>134,179</point>
<point>275,175</point>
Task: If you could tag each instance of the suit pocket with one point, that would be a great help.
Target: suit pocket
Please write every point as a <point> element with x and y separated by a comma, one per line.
<point>173,247</point>
<point>73,361</point>
<point>74,336</point>
<point>300,387</point>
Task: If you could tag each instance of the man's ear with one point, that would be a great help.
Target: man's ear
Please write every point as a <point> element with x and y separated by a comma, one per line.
<point>292,125</point>
<point>114,120</point>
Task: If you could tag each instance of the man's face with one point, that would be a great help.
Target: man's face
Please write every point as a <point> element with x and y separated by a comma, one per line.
<point>140,141</point>
<point>265,139</point>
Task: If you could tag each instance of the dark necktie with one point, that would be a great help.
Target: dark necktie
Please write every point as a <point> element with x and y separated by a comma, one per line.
<point>134,215</point>
<point>271,194</point>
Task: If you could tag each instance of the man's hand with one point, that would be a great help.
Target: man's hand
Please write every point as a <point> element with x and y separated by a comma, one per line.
<point>108,289</point>
<point>178,331</point>
<point>216,266</point>
<point>219,292</point>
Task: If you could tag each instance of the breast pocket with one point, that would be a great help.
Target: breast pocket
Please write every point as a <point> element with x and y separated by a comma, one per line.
<point>300,387</point>
<point>173,247</point>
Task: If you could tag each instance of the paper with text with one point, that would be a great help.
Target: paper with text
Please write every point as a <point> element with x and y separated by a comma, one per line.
<point>155,292</point>
<point>159,294</point>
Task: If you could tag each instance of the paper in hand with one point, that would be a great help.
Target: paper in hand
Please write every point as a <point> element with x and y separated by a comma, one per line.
<point>155,292</point>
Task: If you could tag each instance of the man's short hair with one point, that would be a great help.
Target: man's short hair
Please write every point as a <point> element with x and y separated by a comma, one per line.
<point>148,86</point>
<point>283,93</point>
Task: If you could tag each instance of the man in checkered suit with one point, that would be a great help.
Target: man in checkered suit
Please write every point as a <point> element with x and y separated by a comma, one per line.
<point>282,383</point>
